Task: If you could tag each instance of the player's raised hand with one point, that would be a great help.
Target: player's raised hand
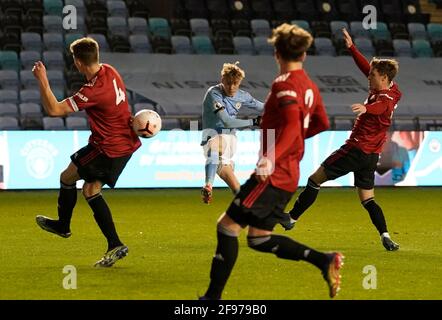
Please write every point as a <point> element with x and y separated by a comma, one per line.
<point>39,71</point>
<point>358,108</point>
<point>347,38</point>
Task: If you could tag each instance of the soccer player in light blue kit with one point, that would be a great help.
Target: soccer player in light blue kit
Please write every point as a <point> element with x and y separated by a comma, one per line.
<point>221,106</point>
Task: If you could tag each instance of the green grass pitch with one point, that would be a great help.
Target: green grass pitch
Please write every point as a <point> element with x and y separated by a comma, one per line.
<point>171,239</point>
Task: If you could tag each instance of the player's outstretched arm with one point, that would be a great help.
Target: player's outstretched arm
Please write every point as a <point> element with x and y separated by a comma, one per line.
<point>360,60</point>
<point>52,107</point>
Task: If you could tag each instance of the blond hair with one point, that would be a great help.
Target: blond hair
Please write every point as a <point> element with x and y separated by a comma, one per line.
<point>290,41</point>
<point>232,72</point>
<point>86,50</point>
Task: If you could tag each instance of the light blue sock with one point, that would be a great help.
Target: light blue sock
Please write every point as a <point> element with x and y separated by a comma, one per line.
<point>211,165</point>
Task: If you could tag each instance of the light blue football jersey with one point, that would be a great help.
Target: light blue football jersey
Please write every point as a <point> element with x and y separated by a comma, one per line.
<point>219,111</point>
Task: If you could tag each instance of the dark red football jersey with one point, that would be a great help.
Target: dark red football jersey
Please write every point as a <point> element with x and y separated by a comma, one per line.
<point>369,132</point>
<point>105,102</point>
<point>293,111</point>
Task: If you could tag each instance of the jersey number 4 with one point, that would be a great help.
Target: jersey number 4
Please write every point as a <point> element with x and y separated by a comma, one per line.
<point>308,101</point>
<point>120,96</point>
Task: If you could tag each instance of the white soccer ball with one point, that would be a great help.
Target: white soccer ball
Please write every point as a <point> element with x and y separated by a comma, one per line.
<point>146,123</point>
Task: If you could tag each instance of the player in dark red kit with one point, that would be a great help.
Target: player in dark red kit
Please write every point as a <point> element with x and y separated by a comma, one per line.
<point>360,153</point>
<point>110,147</point>
<point>293,112</point>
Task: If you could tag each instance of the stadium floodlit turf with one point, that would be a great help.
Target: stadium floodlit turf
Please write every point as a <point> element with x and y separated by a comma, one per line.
<point>171,239</point>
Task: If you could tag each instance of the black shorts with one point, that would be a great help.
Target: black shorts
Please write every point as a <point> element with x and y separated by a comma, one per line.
<point>259,205</point>
<point>351,159</point>
<point>93,165</point>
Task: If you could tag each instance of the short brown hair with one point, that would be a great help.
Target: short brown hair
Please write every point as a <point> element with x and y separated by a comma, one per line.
<point>290,41</point>
<point>232,72</point>
<point>385,67</point>
<point>85,50</point>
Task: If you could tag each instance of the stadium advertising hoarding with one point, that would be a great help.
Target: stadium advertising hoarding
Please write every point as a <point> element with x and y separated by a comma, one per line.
<point>174,159</point>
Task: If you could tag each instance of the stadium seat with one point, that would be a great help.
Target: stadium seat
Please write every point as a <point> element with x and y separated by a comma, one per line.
<point>399,30</point>
<point>181,45</point>
<point>31,41</point>
<point>53,60</point>
<point>53,7</point>
<point>52,23</point>
<point>159,27</point>
<point>402,48</point>
<point>260,27</point>
<point>417,31</point>
<point>324,47</point>
<point>200,27</point>
<point>223,45</point>
<point>161,45</point>
<point>202,45</point>
<point>180,27</point>
<point>71,37</point>
<point>241,28</point>
<point>56,79</point>
<point>8,110</point>
<point>117,26</point>
<point>243,45</point>
<point>9,123</point>
<point>30,95</point>
<point>262,47</point>
<point>102,41</point>
<point>221,28</point>
<point>30,109</point>
<point>302,24</point>
<point>321,29</point>
<point>138,25</point>
<point>384,48</point>
<point>336,27</point>
<point>53,123</point>
<point>139,43</point>
<point>117,8</point>
<point>9,80</point>
<point>53,41</point>
<point>365,46</point>
<point>28,80</point>
<point>381,32</point>
<point>434,31</point>
<point>96,24</point>
<point>28,58</point>
<point>119,43</point>
<point>138,8</point>
<point>76,123</point>
<point>79,5</point>
<point>422,49</point>
<point>96,8</point>
<point>8,96</point>
<point>357,30</point>
<point>32,22</point>
<point>9,60</point>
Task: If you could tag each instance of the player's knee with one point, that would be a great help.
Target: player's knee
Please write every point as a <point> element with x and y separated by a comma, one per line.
<point>91,188</point>
<point>259,243</point>
<point>226,230</point>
